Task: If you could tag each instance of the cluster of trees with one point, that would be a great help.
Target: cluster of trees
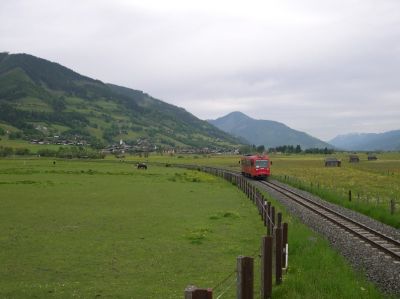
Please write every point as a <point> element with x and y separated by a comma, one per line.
<point>72,152</point>
<point>326,151</point>
<point>247,149</point>
<point>289,149</point>
<point>63,152</point>
<point>9,151</point>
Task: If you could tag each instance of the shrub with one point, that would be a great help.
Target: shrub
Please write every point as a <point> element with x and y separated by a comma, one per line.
<point>22,151</point>
<point>6,151</point>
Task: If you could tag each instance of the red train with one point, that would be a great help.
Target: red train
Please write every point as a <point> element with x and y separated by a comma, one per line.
<point>256,166</point>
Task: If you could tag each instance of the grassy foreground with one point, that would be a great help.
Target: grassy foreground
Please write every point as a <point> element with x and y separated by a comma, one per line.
<point>89,229</point>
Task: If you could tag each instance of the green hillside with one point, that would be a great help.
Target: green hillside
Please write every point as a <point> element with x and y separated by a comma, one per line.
<point>43,100</point>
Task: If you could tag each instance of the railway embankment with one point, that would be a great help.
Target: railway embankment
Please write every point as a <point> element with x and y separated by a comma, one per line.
<point>379,267</point>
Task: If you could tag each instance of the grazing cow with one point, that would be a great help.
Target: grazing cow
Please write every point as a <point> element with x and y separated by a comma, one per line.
<point>141,166</point>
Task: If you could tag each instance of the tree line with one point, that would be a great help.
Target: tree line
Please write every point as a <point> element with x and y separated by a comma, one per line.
<point>62,152</point>
<point>290,149</point>
<point>287,149</point>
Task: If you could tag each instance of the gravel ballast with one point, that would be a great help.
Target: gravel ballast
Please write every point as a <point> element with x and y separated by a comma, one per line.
<point>379,268</point>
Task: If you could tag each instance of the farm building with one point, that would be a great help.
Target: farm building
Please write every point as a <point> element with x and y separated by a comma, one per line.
<point>372,158</point>
<point>354,159</point>
<point>332,162</point>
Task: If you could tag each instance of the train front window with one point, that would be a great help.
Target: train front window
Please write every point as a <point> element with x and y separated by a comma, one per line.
<point>262,163</point>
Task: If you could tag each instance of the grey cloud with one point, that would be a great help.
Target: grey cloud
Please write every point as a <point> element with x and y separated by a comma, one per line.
<point>321,67</point>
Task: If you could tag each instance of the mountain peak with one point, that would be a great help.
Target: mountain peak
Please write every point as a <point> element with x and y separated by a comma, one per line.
<point>265,132</point>
<point>235,116</point>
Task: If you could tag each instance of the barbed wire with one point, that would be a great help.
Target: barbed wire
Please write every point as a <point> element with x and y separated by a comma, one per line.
<point>226,289</point>
<point>255,253</point>
<point>225,279</point>
<point>264,210</point>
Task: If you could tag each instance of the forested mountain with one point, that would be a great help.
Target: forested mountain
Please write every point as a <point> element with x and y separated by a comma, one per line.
<point>387,141</point>
<point>265,132</point>
<point>43,99</point>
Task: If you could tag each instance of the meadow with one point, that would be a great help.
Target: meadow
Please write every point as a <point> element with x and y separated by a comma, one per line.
<point>373,184</point>
<point>71,228</point>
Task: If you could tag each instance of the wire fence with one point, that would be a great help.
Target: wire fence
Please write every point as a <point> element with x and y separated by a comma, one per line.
<point>275,232</point>
<point>225,285</point>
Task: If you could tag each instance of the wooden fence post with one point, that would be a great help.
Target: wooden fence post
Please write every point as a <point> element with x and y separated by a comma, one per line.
<point>284,243</point>
<point>258,204</point>
<point>272,220</point>
<point>266,267</point>
<point>279,224</point>
<point>268,220</point>
<point>245,277</point>
<point>251,192</point>
<point>278,255</point>
<point>265,212</point>
<point>262,207</point>
<point>193,292</point>
<point>392,206</point>
<point>349,195</point>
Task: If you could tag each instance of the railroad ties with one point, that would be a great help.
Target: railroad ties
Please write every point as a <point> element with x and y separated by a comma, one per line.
<point>382,242</point>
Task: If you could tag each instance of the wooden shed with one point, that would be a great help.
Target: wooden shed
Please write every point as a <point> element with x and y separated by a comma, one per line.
<point>354,159</point>
<point>332,162</point>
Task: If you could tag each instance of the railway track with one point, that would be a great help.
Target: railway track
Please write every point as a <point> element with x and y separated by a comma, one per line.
<point>383,243</point>
<point>368,245</point>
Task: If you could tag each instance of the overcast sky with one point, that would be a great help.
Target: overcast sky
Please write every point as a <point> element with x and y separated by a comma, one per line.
<point>323,67</point>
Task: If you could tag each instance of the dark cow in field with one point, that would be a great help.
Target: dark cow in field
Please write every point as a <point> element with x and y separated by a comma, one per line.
<point>141,166</point>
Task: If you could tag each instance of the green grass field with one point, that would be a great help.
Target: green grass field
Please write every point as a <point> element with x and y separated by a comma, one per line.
<point>373,183</point>
<point>89,229</point>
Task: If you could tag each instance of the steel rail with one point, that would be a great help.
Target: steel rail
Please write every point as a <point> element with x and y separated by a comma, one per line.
<point>360,230</point>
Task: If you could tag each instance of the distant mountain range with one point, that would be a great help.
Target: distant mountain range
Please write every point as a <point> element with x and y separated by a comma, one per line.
<point>388,141</point>
<point>265,132</point>
<point>40,99</point>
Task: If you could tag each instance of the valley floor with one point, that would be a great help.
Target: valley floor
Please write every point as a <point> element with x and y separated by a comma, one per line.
<point>83,229</point>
